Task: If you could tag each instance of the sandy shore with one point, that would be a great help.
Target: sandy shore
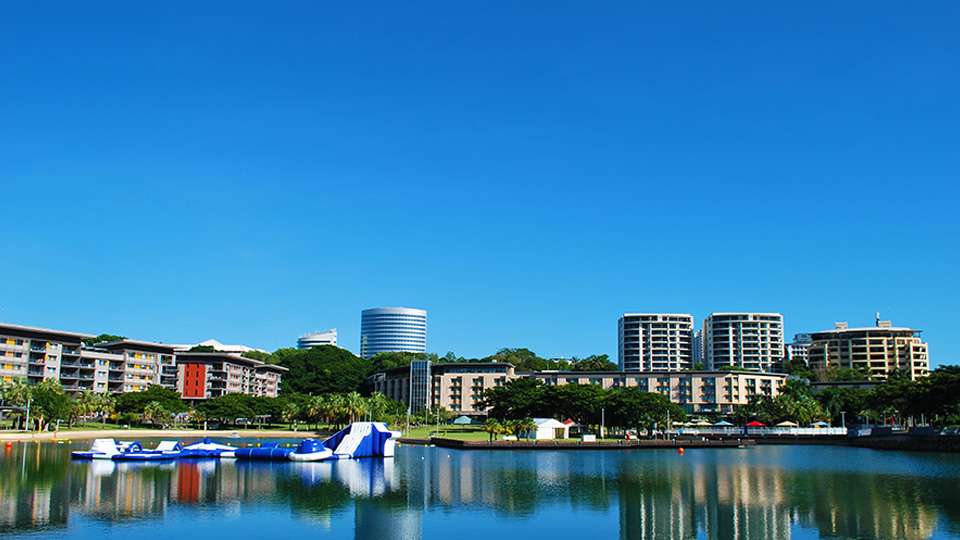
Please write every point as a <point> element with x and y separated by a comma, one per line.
<point>128,434</point>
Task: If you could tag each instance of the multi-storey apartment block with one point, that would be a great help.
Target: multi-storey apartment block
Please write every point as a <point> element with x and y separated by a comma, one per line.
<point>142,363</point>
<point>209,375</point>
<point>35,354</point>
<point>126,365</point>
<point>655,341</point>
<point>746,340</point>
<point>879,349</point>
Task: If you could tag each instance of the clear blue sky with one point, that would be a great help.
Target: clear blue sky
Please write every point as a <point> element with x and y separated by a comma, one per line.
<point>525,172</point>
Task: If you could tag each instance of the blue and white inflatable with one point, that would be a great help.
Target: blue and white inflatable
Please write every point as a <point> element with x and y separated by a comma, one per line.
<point>359,439</point>
<point>363,439</point>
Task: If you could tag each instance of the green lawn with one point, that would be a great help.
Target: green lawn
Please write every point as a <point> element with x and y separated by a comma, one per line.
<point>446,432</point>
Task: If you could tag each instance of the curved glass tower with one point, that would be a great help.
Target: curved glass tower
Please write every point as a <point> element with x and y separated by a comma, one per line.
<point>392,329</point>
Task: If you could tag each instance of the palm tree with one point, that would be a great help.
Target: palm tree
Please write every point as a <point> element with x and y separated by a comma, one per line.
<point>154,411</point>
<point>289,412</point>
<point>17,393</point>
<point>526,425</point>
<point>104,406</point>
<point>378,405</point>
<point>85,404</point>
<point>492,427</point>
<point>198,416</point>
<point>355,406</point>
<point>317,407</point>
<point>337,410</point>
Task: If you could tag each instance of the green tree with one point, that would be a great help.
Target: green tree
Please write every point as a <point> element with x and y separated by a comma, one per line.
<point>843,404</point>
<point>321,370</point>
<point>515,399</point>
<point>355,406</point>
<point>85,404</point>
<point>634,408</point>
<point>796,366</point>
<point>104,406</point>
<point>523,360</point>
<point>492,427</point>
<point>136,402</point>
<point>228,407</point>
<point>154,413</point>
<point>392,359</point>
<point>262,356</point>
<point>290,412</point>
<point>595,362</point>
<point>50,403</point>
<point>103,338</point>
<point>17,393</point>
<point>579,402</point>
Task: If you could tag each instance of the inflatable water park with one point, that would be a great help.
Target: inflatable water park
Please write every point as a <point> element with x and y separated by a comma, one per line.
<point>358,440</point>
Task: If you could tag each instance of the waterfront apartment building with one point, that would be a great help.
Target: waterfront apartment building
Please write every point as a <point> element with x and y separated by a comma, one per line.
<point>210,375</point>
<point>459,387</point>
<point>879,349</point>
<point>35,354</point>
<point>392,329</point>
<point>745,340</point>
<point>317,339</point>
<point>125,365</point>
<point>142,363</point>
<point>655,341</point>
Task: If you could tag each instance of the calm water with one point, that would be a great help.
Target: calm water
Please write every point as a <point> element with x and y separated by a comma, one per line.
<point>761,492</point>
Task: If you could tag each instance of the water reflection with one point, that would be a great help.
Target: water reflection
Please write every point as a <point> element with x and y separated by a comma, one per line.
<point>724,494</point>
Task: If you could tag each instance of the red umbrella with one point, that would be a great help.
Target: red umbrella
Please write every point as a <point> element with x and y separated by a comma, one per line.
<point>756,424</point>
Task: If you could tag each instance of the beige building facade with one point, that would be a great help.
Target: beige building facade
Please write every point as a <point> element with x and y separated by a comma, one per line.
<point>879,349</point>
<point>695,391</point>
<point>459,387</point>
<point>456,387</point>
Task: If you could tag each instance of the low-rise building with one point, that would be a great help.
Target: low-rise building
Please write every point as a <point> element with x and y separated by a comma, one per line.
<point>210,375</point>
<point>695,391</point>
<point>878,349</point>
<point>457,387</point>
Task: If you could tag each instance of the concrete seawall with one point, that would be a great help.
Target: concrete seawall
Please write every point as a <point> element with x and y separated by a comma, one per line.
<point>573,444</point>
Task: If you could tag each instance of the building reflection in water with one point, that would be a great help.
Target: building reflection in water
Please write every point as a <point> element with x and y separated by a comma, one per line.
<point>655,494</point>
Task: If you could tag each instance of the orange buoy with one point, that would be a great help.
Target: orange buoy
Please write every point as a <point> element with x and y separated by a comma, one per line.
<point>680,450</point>
<point>9,444</point>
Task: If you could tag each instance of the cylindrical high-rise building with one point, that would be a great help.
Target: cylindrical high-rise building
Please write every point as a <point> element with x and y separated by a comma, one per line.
<point>392,329</point>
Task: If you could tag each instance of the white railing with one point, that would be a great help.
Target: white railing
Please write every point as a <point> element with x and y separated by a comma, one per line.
<point>739,431</point>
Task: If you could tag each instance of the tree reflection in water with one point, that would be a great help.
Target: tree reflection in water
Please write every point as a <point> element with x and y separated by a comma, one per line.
<point>723,494</point>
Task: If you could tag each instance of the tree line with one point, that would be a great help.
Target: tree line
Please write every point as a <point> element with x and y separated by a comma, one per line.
<point>586,404</point>
<point>934,399</point>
